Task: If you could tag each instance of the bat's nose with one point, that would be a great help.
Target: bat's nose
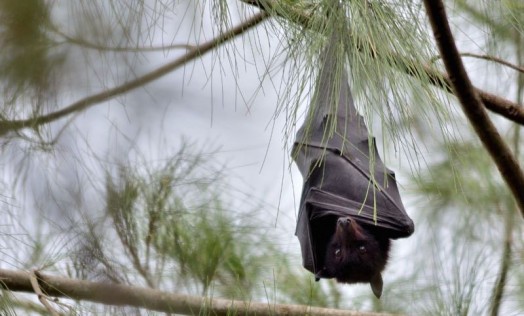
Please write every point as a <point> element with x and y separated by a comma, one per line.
<point>346,229</point>
<point>344,221</point>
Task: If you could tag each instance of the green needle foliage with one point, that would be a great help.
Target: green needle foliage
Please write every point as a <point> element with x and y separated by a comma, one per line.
<point>467,217</point>
<point>26,61</point>
<point>178,231</point>
<point>385,46</point>
<point>7,303</point>
<point>176,224</point>
<point>175,217</point>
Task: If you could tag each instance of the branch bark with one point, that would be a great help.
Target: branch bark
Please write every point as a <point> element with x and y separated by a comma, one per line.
<point>510,110</point>
<point>155,300</point>
<point>472,104</point>
<point>83,104</point>
<point>505,263</point>
<point>33,280</point>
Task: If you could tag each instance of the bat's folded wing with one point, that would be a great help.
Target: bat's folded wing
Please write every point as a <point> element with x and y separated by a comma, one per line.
<point>342,170</point>
<point>394,223</point>
<point>337,186</point>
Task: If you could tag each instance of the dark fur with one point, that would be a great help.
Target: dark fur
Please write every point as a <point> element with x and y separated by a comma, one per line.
<point>356,254</point>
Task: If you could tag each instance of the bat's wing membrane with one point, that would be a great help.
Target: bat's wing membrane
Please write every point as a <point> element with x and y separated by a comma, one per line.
<point>343,173</point>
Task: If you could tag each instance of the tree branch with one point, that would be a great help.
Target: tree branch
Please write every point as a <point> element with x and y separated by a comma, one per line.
<point>83,104</point>
<point>505,263</point>
<point>510,110</point>
<point>155,300</point>
<point>471,103</point>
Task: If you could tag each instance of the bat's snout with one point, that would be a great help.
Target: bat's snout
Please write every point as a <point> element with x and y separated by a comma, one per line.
<point>347,228</point>
<point>345,221</point>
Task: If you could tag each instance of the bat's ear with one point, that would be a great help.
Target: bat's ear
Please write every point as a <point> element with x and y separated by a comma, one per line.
<point>376,284</point>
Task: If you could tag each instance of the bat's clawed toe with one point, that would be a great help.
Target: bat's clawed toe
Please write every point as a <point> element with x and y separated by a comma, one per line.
<point>376,285</point>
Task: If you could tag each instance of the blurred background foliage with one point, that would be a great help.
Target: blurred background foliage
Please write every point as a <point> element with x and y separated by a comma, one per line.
<point>116,194</point>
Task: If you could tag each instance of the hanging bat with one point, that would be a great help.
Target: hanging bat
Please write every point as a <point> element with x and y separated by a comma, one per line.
<point>350,206</point>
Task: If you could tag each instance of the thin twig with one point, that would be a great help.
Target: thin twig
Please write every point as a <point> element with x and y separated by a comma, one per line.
<point>123,49</point>
<point>489,58</point>
<point>505,262</point>
<point>510,110</point>
<point>471,104</point>
<point>495,59</point>
<point>83,104</point>
<point>155,300</point>
<point>41,296</point>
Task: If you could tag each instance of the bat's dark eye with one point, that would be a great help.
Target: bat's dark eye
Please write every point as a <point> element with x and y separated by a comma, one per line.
<point>362,249</point>
<point>338,253</point>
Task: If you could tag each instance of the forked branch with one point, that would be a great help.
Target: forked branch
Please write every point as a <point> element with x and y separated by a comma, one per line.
<point>510,110</point>
<point>472,104</point>
<point>83,104</point>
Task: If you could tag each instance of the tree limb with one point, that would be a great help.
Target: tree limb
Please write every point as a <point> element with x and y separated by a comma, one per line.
<point>510,110</point>
<point>155,300</point>
<point>505,263</point>
<point>472,104</point>
<point>81,105</point>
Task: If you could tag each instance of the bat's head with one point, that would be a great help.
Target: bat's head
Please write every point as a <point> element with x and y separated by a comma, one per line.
<point>356,254</point>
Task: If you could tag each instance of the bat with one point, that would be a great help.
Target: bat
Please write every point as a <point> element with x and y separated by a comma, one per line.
<point>350,206</point>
